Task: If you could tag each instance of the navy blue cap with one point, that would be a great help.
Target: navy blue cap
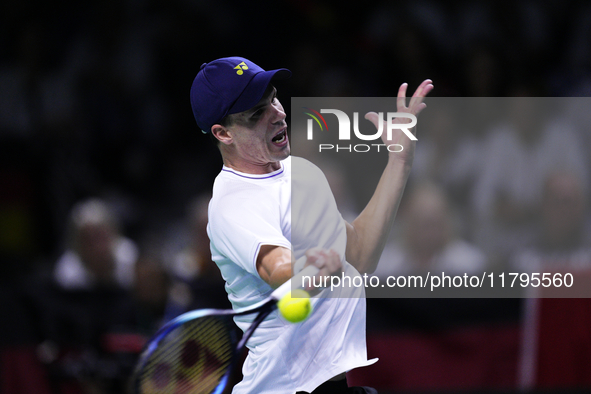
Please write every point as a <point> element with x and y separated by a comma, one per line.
<point>227,86</point>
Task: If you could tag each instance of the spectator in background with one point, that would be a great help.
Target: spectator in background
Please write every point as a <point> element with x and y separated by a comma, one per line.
<point>450,150</point>
<point>518,155</point>
<point>151,290</point>
<point>556,340</point>
<point>417,332</point>
<point>81,310</point>
<point>194,258</point>
<point>452,141</point>
<point>196,280</point>
<point>428,239</point>
<point>563,241</point>
<point>98,254</point>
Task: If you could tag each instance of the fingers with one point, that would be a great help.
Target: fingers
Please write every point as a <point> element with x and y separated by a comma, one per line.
<point>424,88</point>
<point>333,263</point>
<point>416,104</point>
<point>401,100</point>
<point>419,108</point>
<point>328,262</point>
<point>422,91</point>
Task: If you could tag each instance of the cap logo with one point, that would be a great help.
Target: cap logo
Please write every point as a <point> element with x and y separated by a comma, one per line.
<point>240,67</point>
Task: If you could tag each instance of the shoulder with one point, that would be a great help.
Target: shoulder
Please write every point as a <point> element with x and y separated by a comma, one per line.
<point>237,194</point>
<point>232,185</point>
<point>303,168</point>
<point>300,162</point>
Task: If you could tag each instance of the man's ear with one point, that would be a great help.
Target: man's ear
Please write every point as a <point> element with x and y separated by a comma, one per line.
<point>222,134</point>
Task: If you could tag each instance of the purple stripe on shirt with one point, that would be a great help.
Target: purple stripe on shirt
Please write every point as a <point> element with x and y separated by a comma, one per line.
<point>254,177</point>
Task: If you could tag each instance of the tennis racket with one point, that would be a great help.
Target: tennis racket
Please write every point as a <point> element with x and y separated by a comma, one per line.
<point>196,352</point>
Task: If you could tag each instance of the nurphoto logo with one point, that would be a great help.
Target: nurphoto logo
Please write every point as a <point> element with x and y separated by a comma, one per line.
<point>344,132</point>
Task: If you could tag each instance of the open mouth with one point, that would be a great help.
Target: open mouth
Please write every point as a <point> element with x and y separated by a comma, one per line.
<point>281,137</point>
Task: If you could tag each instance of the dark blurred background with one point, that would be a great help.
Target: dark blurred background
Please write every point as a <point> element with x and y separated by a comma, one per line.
<point>104,176</point>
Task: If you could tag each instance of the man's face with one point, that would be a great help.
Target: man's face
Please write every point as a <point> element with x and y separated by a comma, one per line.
<point>260,133</point>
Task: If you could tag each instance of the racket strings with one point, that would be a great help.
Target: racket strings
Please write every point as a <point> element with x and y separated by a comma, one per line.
<point>192,358</point>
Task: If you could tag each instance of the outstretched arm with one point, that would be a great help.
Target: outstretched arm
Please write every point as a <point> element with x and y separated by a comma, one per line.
<point>367,234</point>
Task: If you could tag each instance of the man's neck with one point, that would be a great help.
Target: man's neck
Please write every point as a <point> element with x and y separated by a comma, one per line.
<point>252,168</point>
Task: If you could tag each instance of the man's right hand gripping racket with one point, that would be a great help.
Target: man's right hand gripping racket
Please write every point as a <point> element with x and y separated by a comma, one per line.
<point>196,352</point>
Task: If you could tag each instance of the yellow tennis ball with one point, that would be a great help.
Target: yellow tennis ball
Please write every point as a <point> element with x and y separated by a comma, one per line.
<point>295,306</point>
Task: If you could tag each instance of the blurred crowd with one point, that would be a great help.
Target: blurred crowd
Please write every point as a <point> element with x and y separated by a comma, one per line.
<point>104,176</point>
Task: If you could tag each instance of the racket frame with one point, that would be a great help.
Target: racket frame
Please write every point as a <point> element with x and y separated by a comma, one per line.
<point>264,308</point>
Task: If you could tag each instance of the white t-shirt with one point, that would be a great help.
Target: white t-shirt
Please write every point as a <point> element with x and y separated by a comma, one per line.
<point>247,211</point>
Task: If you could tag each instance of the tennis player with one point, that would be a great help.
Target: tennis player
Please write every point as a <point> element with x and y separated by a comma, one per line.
<point>256,245</point>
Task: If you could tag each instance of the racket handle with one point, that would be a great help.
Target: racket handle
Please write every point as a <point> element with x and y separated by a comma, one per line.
<point>285,288</point>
